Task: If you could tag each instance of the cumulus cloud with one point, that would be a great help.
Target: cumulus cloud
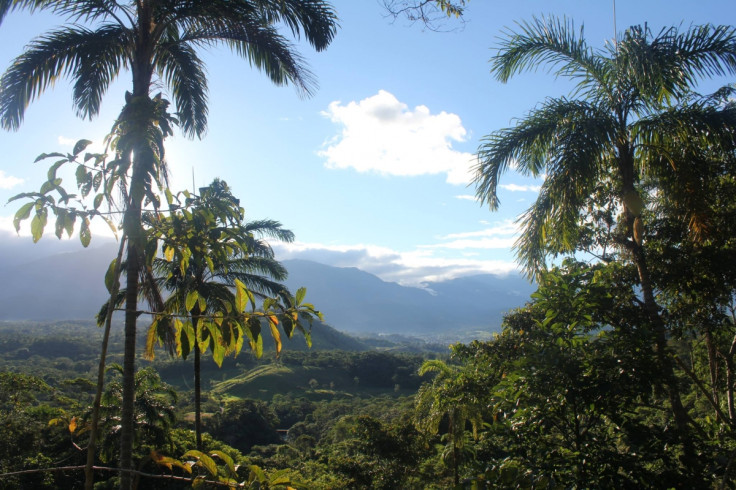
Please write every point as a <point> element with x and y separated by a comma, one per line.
<point>520,188</point>
<point>8,181</point>
<point>414,268</point>
<point>381,134</point>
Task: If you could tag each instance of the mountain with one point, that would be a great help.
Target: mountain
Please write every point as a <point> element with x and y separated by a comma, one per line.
<point>69,285</point>
<point>62,286</point>
<point>358,302</point>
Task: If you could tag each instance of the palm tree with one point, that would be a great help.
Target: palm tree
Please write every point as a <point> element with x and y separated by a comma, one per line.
<point>452,396</point>
<point>154,39</point>
<point>155,404</point>
<point>631,114</point>
<point>219,249</point>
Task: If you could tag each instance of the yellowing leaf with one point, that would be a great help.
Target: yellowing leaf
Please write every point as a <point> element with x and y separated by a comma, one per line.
<point>191,300</point>
<point>276,336</point>
<point>202,460</point>
<point>148,353</point>
<point>73,425</point>
<point>240,297</point>
<point>169,253</point>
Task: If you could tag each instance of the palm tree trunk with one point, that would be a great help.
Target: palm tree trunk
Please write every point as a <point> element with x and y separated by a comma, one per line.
<point>89,478</point>
<point>133,228</point>
<point>665,362</point>
<point>713,368</point>
<point>730,381</point>
<point>128,409</point>
<point>197,388</point>
<point>666,365</point>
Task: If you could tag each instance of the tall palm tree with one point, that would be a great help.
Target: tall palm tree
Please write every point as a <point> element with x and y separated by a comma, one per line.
<point>156,40</point>
<point>218,248</point>
<point>451,396</point>
<point>631,114</point>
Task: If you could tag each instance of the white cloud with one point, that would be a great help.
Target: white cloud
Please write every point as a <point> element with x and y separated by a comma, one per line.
<point>503,228</point>
<point>406,268</point>
<point>381,134</point>
<point>520,188</point>
<point>466,197</point>
<point>8,181</point>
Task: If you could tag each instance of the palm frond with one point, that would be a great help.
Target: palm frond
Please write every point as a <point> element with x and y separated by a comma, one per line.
<point>104,52</point>
<point>553,42</point>
<point>7,6</point>
<point>532,144</point>
<point>696,127</point>
<point>316,18</point>
<point>262,46</point>
<point>49,57</point>
<point>270,228</point>
<point>184,73</point>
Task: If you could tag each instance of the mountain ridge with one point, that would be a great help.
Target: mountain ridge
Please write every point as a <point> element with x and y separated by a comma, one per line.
<point>70,286</point>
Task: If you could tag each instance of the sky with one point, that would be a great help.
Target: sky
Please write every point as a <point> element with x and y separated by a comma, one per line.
<point>373,171</point>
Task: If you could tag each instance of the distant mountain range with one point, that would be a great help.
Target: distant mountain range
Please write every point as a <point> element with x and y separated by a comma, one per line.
<point>69,285</point>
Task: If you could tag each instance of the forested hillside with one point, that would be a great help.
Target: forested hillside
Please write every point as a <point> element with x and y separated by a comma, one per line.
<point>197,367</point>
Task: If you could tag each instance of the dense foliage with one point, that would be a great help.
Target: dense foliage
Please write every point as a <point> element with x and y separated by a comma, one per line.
<point>619,372</point>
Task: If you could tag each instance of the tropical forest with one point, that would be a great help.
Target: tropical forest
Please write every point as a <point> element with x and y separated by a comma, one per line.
<point>200,367</point>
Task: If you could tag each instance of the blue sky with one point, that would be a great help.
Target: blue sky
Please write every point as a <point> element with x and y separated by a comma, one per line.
<point>372,171</point>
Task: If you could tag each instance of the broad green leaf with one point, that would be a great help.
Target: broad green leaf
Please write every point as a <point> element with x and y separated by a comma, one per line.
<point>84,233</point>
<point>203,460</point>
<point>60,219</point>
<point>23,213</point>
<point>191,300</point>
<point>43,156</point>
<point>240,296</point>
<point>49,186</point>
<point>110,278</point>
<point>98,200</point>
<point>80,146</point>
<point>51,174</point>
<point>184,338</point>
<point>82,176</point>
<point>218,353</point>
<point>240,338</point>
<point>300,293</point>
<point>258,350</point>
<point>184,263</point>
<point>69,220</point>
<point>38,223</point>
<point>227,459</point>
<point>256,473</point>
